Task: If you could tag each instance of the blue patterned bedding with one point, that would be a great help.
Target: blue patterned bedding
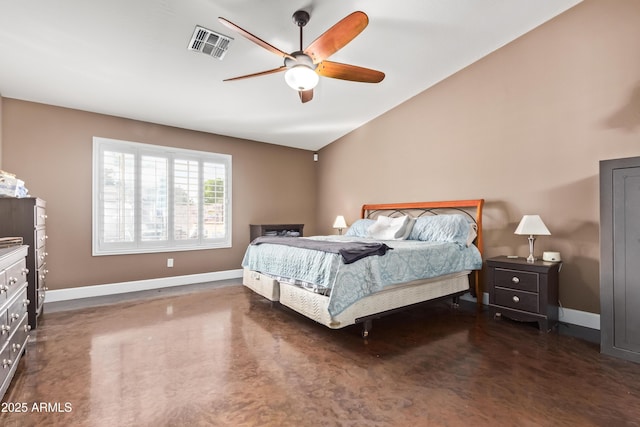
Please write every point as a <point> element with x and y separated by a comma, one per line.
<point>408,260</point>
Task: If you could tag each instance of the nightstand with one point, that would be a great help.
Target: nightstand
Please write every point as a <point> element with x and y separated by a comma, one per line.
<point>524,291</point>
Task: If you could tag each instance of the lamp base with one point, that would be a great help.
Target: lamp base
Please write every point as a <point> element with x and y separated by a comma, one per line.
<point>531,258</point>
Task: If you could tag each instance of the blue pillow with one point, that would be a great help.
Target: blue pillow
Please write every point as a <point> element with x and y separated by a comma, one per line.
<point>359,228</point>
<point>441,228</point>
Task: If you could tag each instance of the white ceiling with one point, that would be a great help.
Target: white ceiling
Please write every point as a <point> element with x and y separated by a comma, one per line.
<point>129,58</point>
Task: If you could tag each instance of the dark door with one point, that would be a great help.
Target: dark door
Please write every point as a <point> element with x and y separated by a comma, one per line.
<point>626,258</point>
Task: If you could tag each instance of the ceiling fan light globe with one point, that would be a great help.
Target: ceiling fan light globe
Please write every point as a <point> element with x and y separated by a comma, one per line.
<point>301,77</point>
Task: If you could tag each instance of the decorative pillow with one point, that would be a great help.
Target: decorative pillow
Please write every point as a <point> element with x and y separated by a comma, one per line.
<point>442,228</point>
<point>387,228</point>
<point>359,228</point>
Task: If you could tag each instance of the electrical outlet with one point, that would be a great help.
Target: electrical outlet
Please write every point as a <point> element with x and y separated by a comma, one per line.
<point>169,262</point>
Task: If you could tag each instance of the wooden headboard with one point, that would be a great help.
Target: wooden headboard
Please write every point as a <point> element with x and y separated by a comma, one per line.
<point>471,208</point>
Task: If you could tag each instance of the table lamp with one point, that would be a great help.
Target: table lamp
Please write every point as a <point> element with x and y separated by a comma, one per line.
<point>339,223</point>
<point>532,225</point>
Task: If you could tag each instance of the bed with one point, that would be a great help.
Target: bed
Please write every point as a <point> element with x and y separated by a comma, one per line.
<point>393,257</point>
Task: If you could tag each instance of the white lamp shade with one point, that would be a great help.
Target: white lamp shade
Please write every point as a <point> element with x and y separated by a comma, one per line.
<point>301,77</point>
<point>339,222</point>
<point>532,225</point>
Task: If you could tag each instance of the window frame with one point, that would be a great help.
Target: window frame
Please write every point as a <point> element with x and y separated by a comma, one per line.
<point>171,244</point>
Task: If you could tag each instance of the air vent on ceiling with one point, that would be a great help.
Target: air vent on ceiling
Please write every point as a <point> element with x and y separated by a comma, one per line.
<point>209,42</point>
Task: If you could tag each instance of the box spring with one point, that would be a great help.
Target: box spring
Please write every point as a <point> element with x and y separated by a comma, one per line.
<point>314,306</point>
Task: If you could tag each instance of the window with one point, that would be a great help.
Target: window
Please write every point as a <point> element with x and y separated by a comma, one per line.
<point>149,198</point>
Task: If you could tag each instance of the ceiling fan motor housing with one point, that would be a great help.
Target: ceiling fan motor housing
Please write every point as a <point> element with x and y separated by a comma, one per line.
<point>301,58</point>
<point>301,18</point>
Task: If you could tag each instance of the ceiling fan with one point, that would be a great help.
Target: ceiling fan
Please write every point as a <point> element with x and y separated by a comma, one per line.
<point>303,67</point>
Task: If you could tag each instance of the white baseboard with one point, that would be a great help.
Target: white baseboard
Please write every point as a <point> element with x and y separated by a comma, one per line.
<point>580,318</point>
<point>567,315</point>
<point>138,285</point>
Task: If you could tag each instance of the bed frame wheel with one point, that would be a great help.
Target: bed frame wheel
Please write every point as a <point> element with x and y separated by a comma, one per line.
<point>456,302</point>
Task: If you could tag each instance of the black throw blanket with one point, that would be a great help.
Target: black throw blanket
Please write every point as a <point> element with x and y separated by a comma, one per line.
<point>350,251</point>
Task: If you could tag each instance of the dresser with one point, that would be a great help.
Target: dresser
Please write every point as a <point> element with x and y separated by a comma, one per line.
<point>257,230</point>
<point>14,326</point>
<point>26,218</point>
<point>524,291</point>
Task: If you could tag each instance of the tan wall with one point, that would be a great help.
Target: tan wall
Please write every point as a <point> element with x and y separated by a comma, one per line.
<point>50,148</point>
<point>524,128</point>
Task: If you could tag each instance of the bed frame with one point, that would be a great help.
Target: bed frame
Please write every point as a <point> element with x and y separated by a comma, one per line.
<point>391,299</point>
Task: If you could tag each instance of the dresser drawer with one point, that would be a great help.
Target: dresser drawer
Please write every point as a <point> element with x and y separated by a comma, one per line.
<point>18,308</point>
<point>41,256</point>
<point>41,237</point>
<point>20,337</point>
<point>6,363</point>
<point>3,287</point>
<point>519,300</point>
<point>522,280</point>
<point>5,328</point>
<point>41,285</point>
<point>15,276</point>
<point>41,216</point>
<point>10,355</point>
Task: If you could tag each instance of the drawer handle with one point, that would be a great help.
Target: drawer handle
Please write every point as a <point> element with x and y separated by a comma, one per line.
<point>13,280</point>
<point>25,302</point>
<point>14,317</point>
<point>16,347</point>
<point>6,363</point>
<point>3,288</point>
<point>514,279</point>
<point>27,328</point>
<point>4,328</point>
<point>25,271</point>
<point>516,299</point>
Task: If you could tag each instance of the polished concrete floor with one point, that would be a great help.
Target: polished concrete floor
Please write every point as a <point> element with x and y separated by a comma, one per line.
<point>227,357</point>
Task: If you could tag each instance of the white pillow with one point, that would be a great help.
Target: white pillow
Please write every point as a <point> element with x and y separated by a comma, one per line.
<point>386,228</point>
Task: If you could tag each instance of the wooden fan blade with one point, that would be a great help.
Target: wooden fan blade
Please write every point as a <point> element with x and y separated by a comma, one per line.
<point>261,73</point>
<point>336,70</point>
<point>255,39</point>
<point>336,37</point>
<point>305,95</point>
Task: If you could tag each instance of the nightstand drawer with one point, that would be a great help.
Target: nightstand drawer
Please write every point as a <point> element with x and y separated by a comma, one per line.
<point>519,300</point>
<point>522,280</point>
